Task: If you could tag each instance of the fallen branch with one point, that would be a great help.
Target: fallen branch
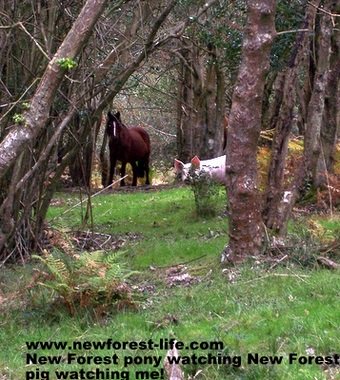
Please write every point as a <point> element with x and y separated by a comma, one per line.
<point>328,263</point>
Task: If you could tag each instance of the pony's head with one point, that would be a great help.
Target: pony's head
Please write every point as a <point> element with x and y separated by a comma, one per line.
<point>113,125</point>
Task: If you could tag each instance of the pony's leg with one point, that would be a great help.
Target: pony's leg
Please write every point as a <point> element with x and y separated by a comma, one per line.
<point>113,163</point>
<point>135,173</point>
<point>122,173</point>
<point>146,167</point>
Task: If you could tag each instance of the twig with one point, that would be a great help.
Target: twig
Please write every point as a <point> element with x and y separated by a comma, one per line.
<point>276,275</point>
<point>323,10</point>
<point>159,131</point>
<point>182,263</point>
<point>299,276</point>
<point>7,90</point>
<point>94,195</point>
<point>327,179</point>
<point>15,103</point>
<point>34,40</point>
<point>328,263</point>
<point>278,262</point>
<point>293,31</point>
<point>105,242</point>
<point>332,15</point>
<point>266,232</point>
<point>7,258</point>
<point>331,247</point>
<point>9,26</point>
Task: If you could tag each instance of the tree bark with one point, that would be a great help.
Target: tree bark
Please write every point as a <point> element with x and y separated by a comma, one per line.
<point>245,223</point>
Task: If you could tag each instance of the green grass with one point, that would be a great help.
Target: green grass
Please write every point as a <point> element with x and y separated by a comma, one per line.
<point>288,309</point>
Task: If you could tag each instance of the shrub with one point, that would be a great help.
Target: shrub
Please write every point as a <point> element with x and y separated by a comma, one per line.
<point>206,192</point>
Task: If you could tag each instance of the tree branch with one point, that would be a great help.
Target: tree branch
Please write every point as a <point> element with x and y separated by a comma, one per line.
<point>36,117</point>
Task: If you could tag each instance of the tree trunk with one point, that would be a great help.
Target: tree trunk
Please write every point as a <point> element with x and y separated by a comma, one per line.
<point>185,111</point>
<point>330,126</point>
<point>200,111</point>
<point>29,186</point>
<point>35,118</point>
<point>245,223</point>
<point>32,131</point>
<point>315,114</point>
<point>81,167</point>
<point>282,122</point>
<point>316,105</point>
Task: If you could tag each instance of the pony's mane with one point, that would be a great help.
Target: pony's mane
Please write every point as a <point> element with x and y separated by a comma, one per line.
<point>111,118</point>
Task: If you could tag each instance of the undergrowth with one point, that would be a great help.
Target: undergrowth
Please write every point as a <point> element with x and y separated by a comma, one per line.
<point>206,194</point>
<point>288,306</point>
<point>93,281</point>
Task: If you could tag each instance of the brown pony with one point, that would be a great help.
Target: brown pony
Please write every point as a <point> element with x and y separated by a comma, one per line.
<point>128,145</point>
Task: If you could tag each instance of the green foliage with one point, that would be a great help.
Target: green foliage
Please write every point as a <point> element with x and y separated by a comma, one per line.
<point>18,118</point>
<point>289,17</point>
<point>206,194</point>
<point>25,105</point>
<point>66,63</point>
<point>89,281</point>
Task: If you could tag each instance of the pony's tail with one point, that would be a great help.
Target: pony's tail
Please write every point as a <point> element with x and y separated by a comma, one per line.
<point>140,169</point>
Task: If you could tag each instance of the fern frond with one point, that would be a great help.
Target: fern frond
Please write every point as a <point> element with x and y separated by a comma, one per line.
<point>56,267</point>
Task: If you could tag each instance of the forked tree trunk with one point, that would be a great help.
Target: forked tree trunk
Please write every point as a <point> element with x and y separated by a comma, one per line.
<point>200,110</point>
<point>245,223</point>
<point>282,122</point>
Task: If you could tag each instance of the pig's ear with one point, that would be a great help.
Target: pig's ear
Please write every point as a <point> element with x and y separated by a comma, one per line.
<point>178,165</point>
<point>195,162</point>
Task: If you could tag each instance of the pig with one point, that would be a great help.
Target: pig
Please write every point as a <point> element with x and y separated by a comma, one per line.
<point>215,167</point>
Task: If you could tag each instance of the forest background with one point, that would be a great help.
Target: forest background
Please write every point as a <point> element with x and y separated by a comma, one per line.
<point>179,68</point>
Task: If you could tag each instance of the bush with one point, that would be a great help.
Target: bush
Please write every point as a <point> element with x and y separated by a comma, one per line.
<point>206,193</point>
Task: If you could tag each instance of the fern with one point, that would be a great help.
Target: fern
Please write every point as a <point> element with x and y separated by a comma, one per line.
<point>92,280</point>
<point>58,269</point>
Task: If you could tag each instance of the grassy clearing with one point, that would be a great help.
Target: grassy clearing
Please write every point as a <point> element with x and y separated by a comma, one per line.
<point>251,309</point>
